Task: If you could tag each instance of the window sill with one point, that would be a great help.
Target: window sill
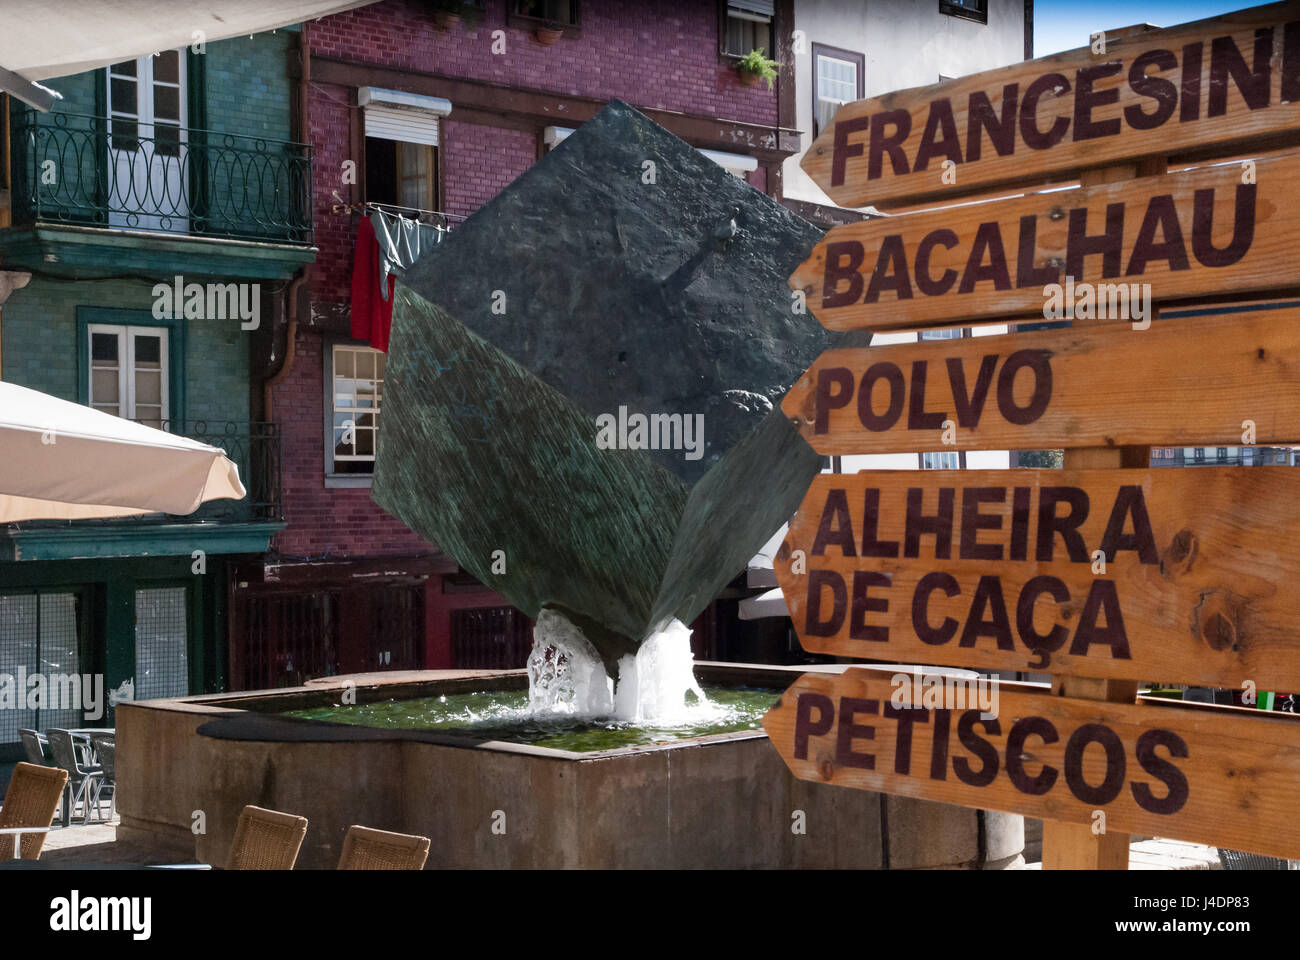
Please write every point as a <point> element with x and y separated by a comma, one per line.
<point>964,14</point>
<point>348,481</point>
<point>522,21</point>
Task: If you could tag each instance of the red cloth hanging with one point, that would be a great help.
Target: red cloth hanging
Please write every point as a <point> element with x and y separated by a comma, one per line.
<point>372,315</point>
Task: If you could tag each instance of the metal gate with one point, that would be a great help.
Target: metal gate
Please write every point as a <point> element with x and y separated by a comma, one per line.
<point>490,638</point>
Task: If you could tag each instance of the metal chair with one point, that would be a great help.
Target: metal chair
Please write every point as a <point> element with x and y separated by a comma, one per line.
<point>1240,860</point>
<point>106,751</point>
<point>266,840</point>
<point>81,780</point>
<point>28,809</point>
<point>365,848</point>
<point>35,746</point>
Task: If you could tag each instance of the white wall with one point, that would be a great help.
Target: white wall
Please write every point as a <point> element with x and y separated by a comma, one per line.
<point>906,43</point>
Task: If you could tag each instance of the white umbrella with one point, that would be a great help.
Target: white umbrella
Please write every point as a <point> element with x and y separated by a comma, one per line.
<point>65,461</point>
<point>769,604</point>
<point>759,572</point>
<point>41,39</point>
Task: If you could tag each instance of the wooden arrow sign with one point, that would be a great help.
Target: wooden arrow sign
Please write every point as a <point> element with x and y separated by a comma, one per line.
<point>1108,250</point>
<point>1190,381</point>
<point>1182,576</point>
<point>1209,88</point>
<point>1223,777</point>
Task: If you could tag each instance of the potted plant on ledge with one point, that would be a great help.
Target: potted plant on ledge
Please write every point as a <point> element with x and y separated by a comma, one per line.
<point>547,32</point>
<point>753,66</point>
<point>450,13</point>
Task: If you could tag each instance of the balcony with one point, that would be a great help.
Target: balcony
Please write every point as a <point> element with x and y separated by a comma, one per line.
<point>152,188</point>
<point>219,526</point>
<point>254,448</point>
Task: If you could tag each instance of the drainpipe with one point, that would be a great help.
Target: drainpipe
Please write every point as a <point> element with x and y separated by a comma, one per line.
<point>304,136</point>
<point>290,338</point>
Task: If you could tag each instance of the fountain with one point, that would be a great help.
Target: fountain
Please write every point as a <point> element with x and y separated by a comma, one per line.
<point>582,407</point>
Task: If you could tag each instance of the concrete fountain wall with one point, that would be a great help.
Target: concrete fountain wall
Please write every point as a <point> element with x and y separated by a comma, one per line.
<point>717,801</point>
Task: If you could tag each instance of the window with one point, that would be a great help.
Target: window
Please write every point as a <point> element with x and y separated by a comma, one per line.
<point>161,643</point>
<point>552,11</point>
<point>947,460</point>
<point>148,183</point>
<point>129,373</point>
<point>401,148</point>
<point>402,174</point>
<point>837,80</point>
<point>977,10</point>
<point>42,632</point>
<point>746,26</point>
<point>357,377</point>
<point>147,92</point>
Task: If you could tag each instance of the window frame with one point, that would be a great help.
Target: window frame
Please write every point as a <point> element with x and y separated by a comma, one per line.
<point>334,479</point>
<point>86,615</point>
<point>836,53</point>
<point>959,454</point>
<point>953,10</point>
<point>126,367</point>
<point>173,381</point>
<point>730,58</point>
<point>433,177</point>
<point>193,631</point>
<point>526,21</point>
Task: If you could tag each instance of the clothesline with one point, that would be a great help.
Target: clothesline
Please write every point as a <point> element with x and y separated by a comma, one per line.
<point>387,244</point>
<point>369,206</point>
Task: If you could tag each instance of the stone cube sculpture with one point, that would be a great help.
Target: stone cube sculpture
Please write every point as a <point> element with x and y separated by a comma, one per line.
<point>624,274</point>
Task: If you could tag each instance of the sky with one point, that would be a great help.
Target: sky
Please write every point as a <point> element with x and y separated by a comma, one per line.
<point>1065,24</point>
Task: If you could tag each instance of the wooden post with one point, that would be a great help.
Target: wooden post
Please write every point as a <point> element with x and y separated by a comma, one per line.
<point>1074,846</point>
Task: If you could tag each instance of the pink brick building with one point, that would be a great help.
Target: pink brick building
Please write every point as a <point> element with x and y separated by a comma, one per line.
<point>404,112</point>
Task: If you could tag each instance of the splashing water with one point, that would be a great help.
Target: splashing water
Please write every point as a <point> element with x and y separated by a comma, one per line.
<point>567,677</point>
<point>565,674</point>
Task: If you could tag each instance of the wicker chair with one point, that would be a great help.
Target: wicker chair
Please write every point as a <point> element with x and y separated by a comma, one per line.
<point>30,801</point>
<point>365,848</point>
<point>266,840</point>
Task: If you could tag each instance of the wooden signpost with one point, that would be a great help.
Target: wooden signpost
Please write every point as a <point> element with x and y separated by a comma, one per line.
<point>1103,577</point>
<point>1188,382</point>
<point>1201,89</point>
<point>1172,575</point>
<point>1188,234</point>
<point>1228,775</point>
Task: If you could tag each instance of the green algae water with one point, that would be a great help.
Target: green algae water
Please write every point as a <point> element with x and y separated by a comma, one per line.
<point>504,715</point>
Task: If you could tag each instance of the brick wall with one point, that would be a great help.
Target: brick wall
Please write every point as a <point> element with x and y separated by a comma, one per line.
<point>337,522</point>
<point>481,162</point>
<point>652,53</point>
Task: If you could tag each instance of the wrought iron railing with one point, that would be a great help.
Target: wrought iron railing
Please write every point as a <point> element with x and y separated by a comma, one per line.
<point>255,450</point>
<point>79,169</point>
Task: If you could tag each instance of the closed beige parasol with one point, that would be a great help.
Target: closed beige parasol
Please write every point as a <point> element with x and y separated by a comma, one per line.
<point>64,461</point>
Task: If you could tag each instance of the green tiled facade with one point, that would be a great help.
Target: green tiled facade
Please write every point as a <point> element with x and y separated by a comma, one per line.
<point>85,271</point>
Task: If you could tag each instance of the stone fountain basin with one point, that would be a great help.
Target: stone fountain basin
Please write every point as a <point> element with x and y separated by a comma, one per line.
<point>720,801</point>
